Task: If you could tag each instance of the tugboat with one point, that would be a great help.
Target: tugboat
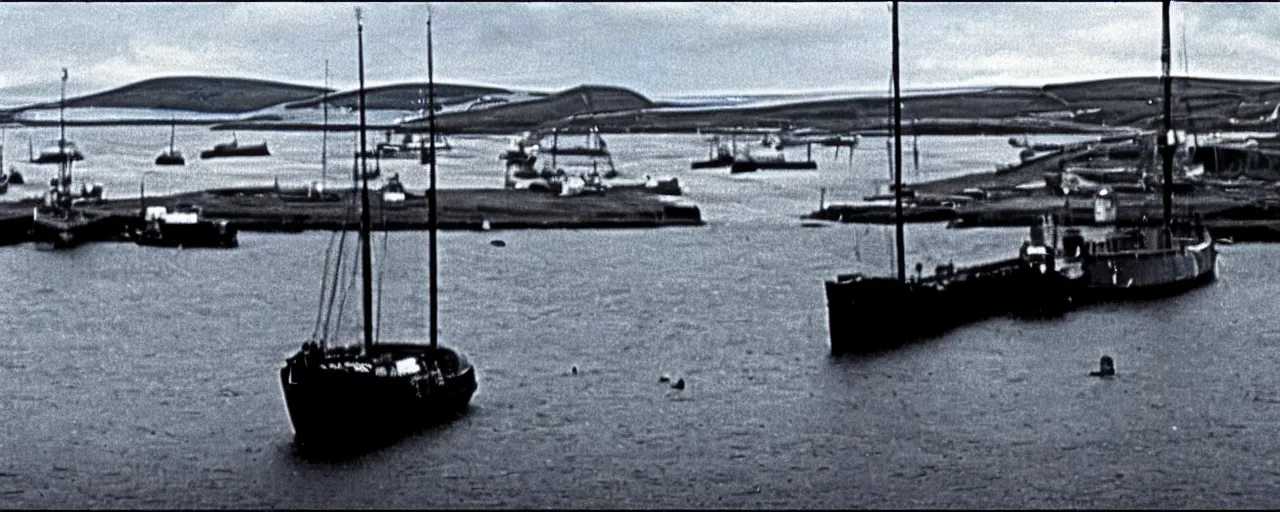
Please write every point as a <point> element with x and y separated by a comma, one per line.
<point>184,226</point>
<point>172,156</point>
<point>922,307</point>
<point>233,148</point>
<point>407,384</point>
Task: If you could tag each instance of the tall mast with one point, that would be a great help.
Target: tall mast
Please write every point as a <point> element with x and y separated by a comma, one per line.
<point>324,134</point>
<point>173,131</point>
<point>897,153</point>
<point>64,162</point>
<point>62,107</point>
<point>366,224</point>
<point>431,192</point>
<point>1167,142</point>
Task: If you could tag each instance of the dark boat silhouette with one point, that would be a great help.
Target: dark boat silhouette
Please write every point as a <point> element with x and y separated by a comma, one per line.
<point>184,226</point>
<point>872,313</point>
<point>405,385</point>
<point>171,156</point>
<point>867,314</point>
<point>233,148</point>
<point>56,222</point>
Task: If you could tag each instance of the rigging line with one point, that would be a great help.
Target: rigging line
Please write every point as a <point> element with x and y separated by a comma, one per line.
<point>337,270</point>
<point>351,202</point>
<point>382,265</point>
<point>324,284</point>
<point>351,284</point>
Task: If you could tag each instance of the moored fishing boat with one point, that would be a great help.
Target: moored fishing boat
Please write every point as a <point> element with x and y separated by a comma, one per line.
<point>56,223</point>
<point>171,156</point>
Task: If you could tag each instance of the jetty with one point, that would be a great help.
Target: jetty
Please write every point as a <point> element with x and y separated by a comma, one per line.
<point>264,209</point>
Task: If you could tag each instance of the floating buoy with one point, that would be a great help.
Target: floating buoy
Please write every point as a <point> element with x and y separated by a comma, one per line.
<point>679,384</point>
<point>1106,367</point>
<point>497,243</point>
<point>574,370</point>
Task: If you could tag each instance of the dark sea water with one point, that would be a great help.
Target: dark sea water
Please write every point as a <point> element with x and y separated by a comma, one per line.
<point>140,377</point>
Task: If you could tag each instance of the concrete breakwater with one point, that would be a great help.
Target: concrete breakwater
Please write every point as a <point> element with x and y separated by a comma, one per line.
<point>266,209</point>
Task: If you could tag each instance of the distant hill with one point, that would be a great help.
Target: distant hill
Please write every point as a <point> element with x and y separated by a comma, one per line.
<point>1125,102</point>
<point>194,93</point>
<point>1129,102</point>
<point>410,96</point>
<point>532,114</point>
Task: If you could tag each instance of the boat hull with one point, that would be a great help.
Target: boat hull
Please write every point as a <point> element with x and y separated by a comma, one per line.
<point>253,150</point>
<point>1144,276</point>
<point>333,409</point>
<point>871,314</point>
<point>753,166</point>
<point>171,160</point>
<point>202,234</point>
<point>65,232</point>
<point>725,161</point>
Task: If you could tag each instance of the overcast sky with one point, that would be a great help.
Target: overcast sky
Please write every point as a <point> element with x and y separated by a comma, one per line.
<point>658,49</point>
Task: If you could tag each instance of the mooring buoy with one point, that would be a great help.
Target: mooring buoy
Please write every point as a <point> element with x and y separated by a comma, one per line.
<point>1106,367</point>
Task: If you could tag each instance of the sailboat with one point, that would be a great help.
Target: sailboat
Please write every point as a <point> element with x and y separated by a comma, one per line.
<point>55,222</point>
<point>172,156</point>
<point>872,313</point>
<point>317,190</point>
<point>407,384</point>
<point>61,150</point>
<point>12,177</point>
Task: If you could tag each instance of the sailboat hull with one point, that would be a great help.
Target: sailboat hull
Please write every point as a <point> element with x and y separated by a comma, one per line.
<point>171,159</point>
<point>342,399</point>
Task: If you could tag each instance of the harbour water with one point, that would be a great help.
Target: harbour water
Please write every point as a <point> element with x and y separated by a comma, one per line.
<point>140,377</point>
